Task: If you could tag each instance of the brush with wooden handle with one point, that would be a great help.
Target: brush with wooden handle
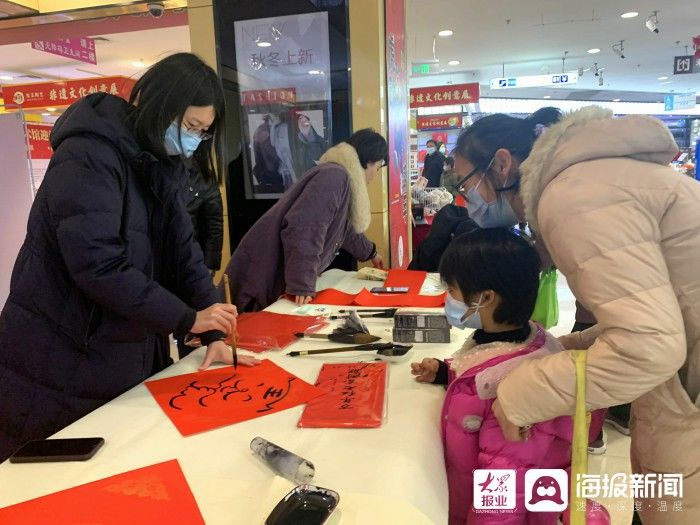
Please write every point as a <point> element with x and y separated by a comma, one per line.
<point>371,346</point>
<point>232,337</point>
<point>347,338</point>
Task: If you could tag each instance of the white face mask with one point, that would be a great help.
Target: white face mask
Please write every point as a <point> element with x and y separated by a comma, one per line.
<point>456,313</point>
<point>431,150</point>
<point>443,149</point>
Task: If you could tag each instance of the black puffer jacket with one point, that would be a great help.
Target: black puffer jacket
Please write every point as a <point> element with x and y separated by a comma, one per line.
<point>207,214</point>
<point>107,269</point>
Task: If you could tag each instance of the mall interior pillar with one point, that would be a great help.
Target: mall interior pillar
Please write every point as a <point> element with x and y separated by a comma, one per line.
<point>200,14</point>
<point>368,104</point>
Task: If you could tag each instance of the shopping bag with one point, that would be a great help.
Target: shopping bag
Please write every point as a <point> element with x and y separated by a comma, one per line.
<point>547,306</point>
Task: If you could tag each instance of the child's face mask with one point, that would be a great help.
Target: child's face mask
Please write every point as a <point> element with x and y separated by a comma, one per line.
<point>458,316</point>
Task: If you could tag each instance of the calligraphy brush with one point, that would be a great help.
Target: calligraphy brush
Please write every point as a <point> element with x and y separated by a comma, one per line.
<point>227,291</point>
<point>357,338</point>
<point>391,348</point>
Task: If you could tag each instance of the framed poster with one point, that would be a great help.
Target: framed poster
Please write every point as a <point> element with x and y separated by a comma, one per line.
<point>284,76</point>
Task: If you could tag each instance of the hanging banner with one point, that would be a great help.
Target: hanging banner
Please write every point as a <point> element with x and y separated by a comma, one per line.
<point>82,49</point>
<point>399,176</point>
<point>64,92</point>
<point>439,122</point>
<point>445,95</point>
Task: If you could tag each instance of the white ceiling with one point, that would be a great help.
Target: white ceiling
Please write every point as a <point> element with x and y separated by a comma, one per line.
<point>530,37</point>
<point>114,56</point>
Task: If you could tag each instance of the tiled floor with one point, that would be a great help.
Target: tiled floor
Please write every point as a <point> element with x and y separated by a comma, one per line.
<point>617,457</point>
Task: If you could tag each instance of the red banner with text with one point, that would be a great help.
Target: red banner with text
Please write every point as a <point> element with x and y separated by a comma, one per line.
<point>39,144</point>
<point>439,122</point>
<point>65,92</point>
<point>445,95</point>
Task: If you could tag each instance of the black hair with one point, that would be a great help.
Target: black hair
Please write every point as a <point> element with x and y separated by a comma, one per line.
<point>546,116</point>
<point>429,141</point>
<point>450,162</point>
<point>479,142</point>
<point>370,146</point>
<point>163,94</point>
<point>495,259</point>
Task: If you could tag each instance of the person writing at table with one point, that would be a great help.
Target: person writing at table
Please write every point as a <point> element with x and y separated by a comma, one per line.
<point>298,238</point>
<point>492,277</point>
<point>109,266</point>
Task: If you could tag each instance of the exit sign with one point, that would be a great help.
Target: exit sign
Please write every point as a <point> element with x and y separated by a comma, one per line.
<point>425,68</point>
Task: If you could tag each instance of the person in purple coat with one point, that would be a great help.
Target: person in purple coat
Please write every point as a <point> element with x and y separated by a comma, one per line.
<point>298,238</point>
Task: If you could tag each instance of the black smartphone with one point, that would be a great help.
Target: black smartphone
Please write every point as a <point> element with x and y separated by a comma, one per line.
<point>304,505</point>
<point>46,450</point>
<point>390,289</point>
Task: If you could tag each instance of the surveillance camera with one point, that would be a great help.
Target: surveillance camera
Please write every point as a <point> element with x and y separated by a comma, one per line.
<point>156,9</point>
<point>652,22</point>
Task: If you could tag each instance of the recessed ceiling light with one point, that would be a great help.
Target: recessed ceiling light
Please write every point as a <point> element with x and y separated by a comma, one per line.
<point>630,14</point>
<point>663,78</point>
<point>51,109</point>
<point>138,63</point>
<point>46,114</point>
<point>446,32</point>
<point>315,72</point>
<point>616,100</point>
<point>454,62</point>
<point>264,43</point>
<point>668,82</point>
<point>5,77</point>
<point>547,97</point>
<point>593,51</point>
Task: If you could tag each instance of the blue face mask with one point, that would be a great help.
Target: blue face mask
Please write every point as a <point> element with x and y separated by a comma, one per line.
<point>496,214</point>
<point>185,144</point>
<point>431,150</point>
<point>456,313</point>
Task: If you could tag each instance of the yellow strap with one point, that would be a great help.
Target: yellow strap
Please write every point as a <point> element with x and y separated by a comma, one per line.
<point>579,447</point>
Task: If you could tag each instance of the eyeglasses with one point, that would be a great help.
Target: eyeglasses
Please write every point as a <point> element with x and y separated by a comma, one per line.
<point>199,133</point>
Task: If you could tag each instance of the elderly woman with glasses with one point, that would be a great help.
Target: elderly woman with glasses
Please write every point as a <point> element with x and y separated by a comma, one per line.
<point>298,238</point>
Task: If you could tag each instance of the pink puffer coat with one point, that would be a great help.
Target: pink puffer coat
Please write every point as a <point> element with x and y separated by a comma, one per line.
<point>472,438</point>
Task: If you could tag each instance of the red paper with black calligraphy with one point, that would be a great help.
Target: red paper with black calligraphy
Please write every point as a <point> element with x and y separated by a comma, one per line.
<point>215,398</point>
<point>141,496</point>
<point>356,397</point>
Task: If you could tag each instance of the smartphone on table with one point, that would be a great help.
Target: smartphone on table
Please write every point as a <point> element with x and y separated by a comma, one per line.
<point>50,450</point>
<point>390,289</point>
<point>304,505</point>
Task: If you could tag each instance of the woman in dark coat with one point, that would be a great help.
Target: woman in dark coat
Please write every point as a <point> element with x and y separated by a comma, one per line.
<point>109,267</point>
<point>296,240</point>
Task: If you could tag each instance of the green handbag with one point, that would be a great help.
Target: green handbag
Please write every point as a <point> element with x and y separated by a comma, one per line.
<point>547,306</point>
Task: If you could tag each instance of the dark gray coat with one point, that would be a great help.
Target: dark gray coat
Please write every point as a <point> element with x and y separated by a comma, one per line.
<point>108,268</point>
<point>296,240</point>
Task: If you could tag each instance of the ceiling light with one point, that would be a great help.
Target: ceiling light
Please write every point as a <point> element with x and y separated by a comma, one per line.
<point>5,77</point>
<point>446,32</point>
<point>315,72</point>
<point>46,114</point>
<point>630,14</point>
<point>668,82</point>
<point>617,99</point>
<point>264,43</point>
<point>138,63</point>
<point>454,62</point>
<point>51,109</point>
<point>593,51</point>
<point>547,97</point>
<point>663,78</point>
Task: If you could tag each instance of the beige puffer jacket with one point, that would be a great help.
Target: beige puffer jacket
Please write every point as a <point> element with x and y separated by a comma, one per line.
<point>624,229</point>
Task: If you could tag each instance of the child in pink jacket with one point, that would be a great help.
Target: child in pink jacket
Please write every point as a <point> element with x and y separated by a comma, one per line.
<point>492,277</point>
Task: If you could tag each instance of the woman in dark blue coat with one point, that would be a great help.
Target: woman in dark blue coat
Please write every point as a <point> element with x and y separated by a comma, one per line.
<point>109,268</point>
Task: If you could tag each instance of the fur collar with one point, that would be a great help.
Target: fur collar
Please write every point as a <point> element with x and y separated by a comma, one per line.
<point>588,134</point>
<point>345,156</point>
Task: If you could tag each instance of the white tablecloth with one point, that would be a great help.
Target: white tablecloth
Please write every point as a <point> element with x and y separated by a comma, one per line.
<point>393,474</point>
